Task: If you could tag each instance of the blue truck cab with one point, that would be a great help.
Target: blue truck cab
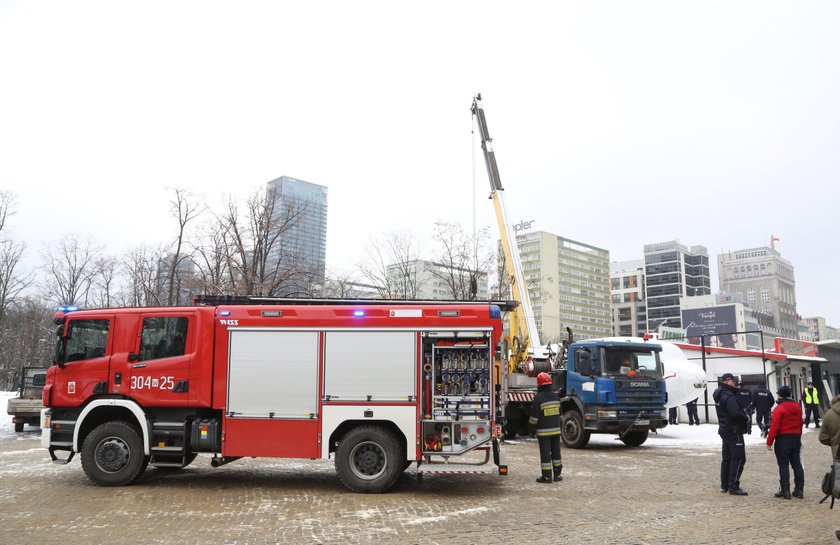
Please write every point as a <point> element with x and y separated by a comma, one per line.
<point>613,387</point>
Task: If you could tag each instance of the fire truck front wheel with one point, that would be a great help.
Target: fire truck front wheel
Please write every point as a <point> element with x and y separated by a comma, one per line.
<point>112,454</point>
<point>368,459</point>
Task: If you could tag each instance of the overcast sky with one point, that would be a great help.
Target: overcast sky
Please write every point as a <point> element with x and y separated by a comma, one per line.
<point>615,123</point>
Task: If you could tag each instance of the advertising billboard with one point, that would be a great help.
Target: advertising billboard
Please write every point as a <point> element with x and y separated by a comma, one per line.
<point>717,323</point>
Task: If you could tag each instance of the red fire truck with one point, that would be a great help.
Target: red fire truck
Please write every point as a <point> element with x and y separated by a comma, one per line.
<point>375,385</point>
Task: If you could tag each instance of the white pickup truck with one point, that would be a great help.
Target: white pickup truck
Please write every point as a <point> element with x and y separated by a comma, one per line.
<point>26,408</point>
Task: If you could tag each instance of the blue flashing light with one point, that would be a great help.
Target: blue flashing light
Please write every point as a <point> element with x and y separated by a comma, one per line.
<point>359,313</point>
<point>224,313</point>
<point>495,311</point>
<point>67,308</point>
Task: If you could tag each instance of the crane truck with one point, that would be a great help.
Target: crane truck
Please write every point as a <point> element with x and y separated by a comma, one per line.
<point>606,386</point>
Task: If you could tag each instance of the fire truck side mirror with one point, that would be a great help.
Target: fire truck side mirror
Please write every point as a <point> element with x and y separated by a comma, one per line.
<point>58,358</point>
<point>132,357</point>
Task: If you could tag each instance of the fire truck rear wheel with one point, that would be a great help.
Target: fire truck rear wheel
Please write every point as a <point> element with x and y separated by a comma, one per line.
<point>573,433</point>
<point>112,454</point>
<point>368,459</point>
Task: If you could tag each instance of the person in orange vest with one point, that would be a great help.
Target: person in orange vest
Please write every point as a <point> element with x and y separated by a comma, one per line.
<point>811,399</point>
<point>545,417</point>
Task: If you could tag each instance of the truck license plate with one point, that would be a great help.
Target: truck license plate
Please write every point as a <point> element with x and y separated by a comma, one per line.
<point>643,422</point>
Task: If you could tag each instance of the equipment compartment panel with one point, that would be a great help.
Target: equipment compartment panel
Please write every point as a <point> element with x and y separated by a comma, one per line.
<point>263,359</point>
<point>370,365</point>
<point>457,393</point>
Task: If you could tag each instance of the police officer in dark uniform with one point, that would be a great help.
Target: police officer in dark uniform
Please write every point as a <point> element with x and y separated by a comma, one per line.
<point>762,401</point>
<point>745,401</point>
<point>691,406</point>
<point>672,416</point>
<point>732,422</point>
<point>545,417</point>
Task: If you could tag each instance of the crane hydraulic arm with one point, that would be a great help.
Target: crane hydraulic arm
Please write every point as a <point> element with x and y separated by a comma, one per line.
<point>523,328</point>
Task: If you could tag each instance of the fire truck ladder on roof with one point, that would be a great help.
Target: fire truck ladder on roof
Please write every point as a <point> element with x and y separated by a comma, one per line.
<point>214,300</point>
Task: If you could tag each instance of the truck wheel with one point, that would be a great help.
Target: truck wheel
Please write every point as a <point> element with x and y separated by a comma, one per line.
<point>112,454</point>
<point>516,421</point>
<point>574,436</point>
<point>635,438</point>
<point>509,430</point>
<point>18,427</point>
<point>368,459</point>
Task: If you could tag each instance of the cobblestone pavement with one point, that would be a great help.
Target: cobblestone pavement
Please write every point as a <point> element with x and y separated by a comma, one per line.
<point>611,495</point>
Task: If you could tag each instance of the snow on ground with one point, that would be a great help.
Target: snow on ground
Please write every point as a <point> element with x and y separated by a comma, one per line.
<point>683,435</point>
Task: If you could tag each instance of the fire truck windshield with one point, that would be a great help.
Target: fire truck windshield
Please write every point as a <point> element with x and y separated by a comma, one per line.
<point>85,339</point>
<point>632,363</point>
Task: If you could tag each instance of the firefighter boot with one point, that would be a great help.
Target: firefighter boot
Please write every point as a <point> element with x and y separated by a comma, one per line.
<point>558,469</point>
<point>546,474</point>
<point>784,491</point>
<point>797,491</point>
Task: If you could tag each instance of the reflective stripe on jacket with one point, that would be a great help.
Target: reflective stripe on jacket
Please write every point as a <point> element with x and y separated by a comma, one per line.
<point>545,412</point>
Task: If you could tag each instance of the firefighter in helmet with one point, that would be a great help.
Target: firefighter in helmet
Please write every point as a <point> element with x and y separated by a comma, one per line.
<point>545,417</point>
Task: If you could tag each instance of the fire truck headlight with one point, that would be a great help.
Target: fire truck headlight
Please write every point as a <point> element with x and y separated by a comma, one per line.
<point>607,414</point>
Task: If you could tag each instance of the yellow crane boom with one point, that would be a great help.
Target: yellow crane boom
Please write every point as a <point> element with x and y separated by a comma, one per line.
<point>523,328</point>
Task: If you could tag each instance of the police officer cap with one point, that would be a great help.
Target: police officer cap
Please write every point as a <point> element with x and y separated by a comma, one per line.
<point>784,391</point>
<point>728,376</point>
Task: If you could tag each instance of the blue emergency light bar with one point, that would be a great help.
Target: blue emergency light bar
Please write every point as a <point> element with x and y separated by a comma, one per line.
<point>67,308</point>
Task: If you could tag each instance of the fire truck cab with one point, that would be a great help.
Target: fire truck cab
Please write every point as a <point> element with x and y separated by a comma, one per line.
<point>375,385</point>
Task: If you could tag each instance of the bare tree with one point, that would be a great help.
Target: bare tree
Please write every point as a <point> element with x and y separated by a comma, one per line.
<point>212,262</point>
<point>11,282</point>
<point>340,285</point>
<point>71,266</point>
<point>29,343</point>
<point>184,210</point>
<point>390,263</point>
<point>258,258</point>
<point>145,279</point>
<point>462,259</point>
<point>104,283</point>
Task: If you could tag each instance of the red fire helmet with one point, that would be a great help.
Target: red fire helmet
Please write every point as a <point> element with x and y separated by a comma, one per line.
<point>543,378</point>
